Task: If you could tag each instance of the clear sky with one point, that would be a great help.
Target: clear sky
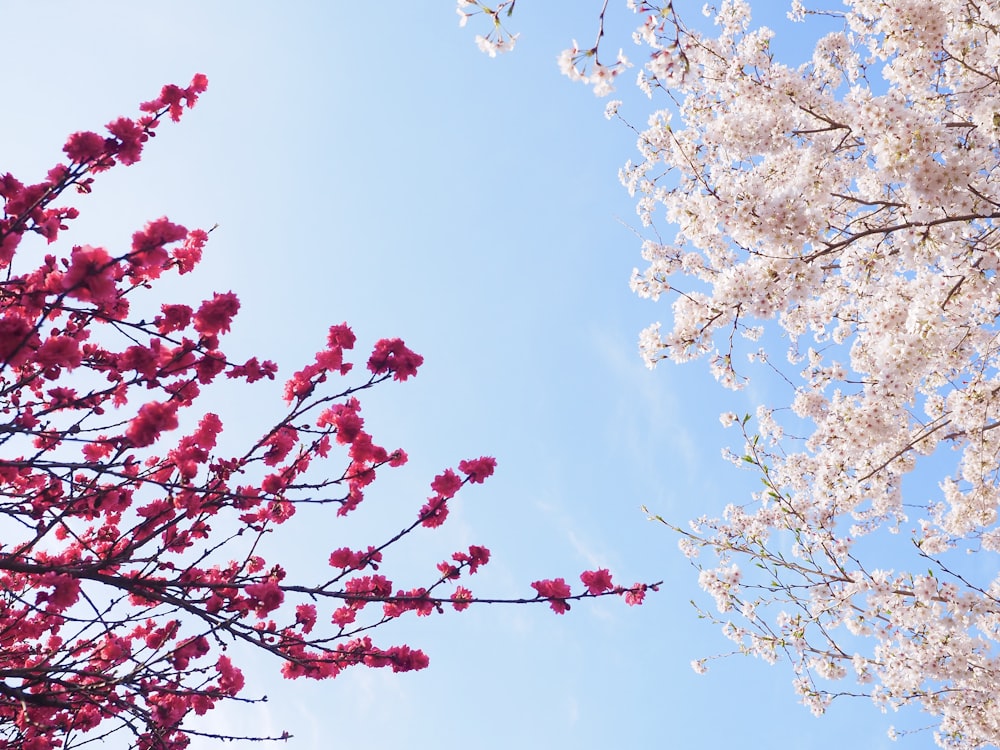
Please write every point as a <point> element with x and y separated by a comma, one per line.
<point>364,162</point>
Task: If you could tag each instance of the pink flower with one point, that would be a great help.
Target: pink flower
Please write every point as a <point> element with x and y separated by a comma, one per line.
<point>59,351</point>
<point>141,359</point>
<point>556,591</point>
<point>635,595</point>
<point>265,596</point>
<point>434,512</point>
<point>8,245</point>
<point>208,430</point>
<point>149,257</point>
<point>83,147</point>
<point>173,97</point>
<point>167,710</point>
<point>345,419</point>
<point>461,598</point>
<point>230,677</point>
<point>446,484</point>
<point>65,591</point>
<point>192,648</point>
<point>273,484</point>
<point>253,370</point>
<point>91,275</point>
<point>391,355</point>
<point>16,338</point>
<point>369,587</point>
<point>477,557</point>
<point>332,360</point>
<point>405,659</point>
<point>152,419</point>
<point>174,318</point>
<point>189,254</point>
<point>448,571</point>
<point>364,451</point>
<point>279,444</point>
<point>305,615</point>
<point>343,616</point>
<point>216,315</point>
<point>596,581</point>
<point>199,85</point>
<point>157,233</point>
<point>301,384</point>
<point>95,451</point>
<point>478,469</point>
<point>343,558</point>
<point>131,139</point>
<point>210,365</point>
<point>341,336</point>
<point>348,559</point>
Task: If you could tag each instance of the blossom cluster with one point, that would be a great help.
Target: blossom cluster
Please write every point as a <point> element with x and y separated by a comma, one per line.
<point>497,39</point>
<point>846,206</point>
<point>858,220</point>
<point>135,547</point>
<point>578,64</point>
<point>597,582</point>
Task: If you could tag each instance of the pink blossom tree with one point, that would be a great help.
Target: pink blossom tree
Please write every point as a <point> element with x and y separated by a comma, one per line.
<point>134,551</point>
<point>843,214</point>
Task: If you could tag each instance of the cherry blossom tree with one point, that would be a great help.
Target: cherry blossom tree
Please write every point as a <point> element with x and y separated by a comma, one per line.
<point>133,548</point>
<point>835,223</point>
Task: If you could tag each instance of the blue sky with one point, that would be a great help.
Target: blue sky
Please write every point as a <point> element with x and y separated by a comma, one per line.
<point>364,162</point>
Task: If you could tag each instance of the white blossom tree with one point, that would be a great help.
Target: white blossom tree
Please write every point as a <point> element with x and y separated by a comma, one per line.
<point>842,212</point>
